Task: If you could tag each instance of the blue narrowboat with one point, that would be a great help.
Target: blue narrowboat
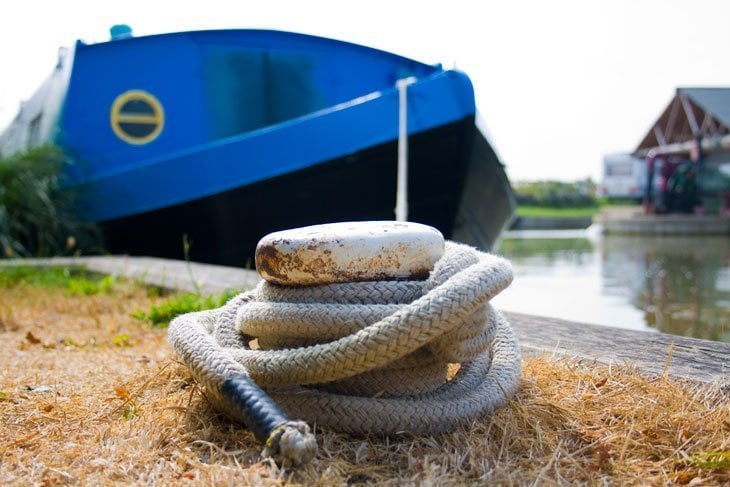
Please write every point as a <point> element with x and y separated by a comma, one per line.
<point>224,136</point>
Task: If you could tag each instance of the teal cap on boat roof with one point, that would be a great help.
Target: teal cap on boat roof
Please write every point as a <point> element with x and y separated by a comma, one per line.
<point>120,31</point>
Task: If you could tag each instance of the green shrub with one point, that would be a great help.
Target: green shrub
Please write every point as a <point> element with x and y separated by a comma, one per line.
<point>38,215</point>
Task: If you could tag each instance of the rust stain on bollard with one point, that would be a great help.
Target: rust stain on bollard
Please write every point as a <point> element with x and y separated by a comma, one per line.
<point>348,252</point>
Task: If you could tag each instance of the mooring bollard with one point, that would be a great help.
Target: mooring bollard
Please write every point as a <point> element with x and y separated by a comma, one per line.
<point>349,252</point>
<point>356,325</point>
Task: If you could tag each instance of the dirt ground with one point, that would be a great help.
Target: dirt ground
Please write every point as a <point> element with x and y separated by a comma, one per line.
<point>91,396</point>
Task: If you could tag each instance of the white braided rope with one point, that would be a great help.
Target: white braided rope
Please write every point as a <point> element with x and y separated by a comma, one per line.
<point>365,340</point>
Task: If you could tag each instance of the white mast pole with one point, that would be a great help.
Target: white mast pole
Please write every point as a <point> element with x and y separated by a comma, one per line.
<point>401,194</point>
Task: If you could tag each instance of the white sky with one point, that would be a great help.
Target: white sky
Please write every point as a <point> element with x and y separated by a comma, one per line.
<point>559,83</point>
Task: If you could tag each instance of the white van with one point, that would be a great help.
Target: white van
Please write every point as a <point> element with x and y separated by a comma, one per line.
<point>624,176</point>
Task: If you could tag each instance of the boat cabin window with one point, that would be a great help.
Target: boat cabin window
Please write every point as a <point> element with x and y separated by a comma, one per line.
<point>247,90</point>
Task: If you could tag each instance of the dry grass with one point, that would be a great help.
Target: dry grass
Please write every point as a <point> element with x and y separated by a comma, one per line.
<point>90,396</point>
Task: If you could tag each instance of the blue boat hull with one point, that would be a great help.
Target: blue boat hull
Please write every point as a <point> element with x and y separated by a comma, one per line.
<point>224,228</point>
<point>224,136</point>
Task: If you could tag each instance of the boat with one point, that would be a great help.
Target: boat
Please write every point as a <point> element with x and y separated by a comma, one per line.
<point>196,144</point>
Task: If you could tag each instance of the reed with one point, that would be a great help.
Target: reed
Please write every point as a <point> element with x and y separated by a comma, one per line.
<point>39,215</point>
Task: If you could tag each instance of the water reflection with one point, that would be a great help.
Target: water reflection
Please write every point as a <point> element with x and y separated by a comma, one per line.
<point>678,285</point>
<point>682,284</point>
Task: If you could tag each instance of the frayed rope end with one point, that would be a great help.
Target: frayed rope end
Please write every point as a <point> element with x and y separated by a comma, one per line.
<point>291,444</point>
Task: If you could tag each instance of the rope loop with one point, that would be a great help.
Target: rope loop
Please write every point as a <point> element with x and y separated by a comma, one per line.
<point>363,357</point>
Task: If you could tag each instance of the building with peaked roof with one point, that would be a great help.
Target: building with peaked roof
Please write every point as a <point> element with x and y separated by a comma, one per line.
<point>687,154</point>
<point>696,118</point>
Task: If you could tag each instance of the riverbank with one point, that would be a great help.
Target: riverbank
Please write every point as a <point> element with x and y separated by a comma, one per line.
<point>552,218</point>
<point>619,220</point>
<point>637,347</point>
<point>550,223</point>
<point>90,395</point>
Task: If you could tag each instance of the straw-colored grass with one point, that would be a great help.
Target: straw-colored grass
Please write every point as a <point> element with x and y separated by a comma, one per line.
<point>90,396</point>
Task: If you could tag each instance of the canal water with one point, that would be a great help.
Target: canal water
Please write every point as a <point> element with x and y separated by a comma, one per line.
<point>678,285</point>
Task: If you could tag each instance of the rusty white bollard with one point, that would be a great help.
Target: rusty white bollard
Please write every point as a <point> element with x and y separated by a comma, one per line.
<point>315,255</point>
<point>348,252</point>
<point>355,342</point>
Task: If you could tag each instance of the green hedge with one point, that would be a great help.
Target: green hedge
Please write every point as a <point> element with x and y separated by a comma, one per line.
<point>556,194</point>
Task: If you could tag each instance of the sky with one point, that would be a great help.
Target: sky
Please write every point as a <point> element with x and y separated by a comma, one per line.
<point>558,83</point>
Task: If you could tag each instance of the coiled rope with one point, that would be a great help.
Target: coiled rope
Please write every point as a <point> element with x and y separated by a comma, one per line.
<point>361,357</point>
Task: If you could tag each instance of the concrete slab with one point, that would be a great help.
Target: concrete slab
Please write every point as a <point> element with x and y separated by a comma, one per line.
<point>166,273</point>
<point>636,223</point>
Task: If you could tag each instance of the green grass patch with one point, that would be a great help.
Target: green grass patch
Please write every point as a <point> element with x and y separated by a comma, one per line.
<point>619,201</point>
<point>551,212</point>
<point>161,314</point>
<point>78,281</point>
<point>75,281</point>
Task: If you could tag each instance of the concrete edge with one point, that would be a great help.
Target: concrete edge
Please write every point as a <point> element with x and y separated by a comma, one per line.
<point>702,361</point>
<point>166,273</point>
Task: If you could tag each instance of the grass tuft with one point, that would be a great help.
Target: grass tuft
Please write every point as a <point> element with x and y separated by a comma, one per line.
<point>712,460</point>
<point>161,314</point>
